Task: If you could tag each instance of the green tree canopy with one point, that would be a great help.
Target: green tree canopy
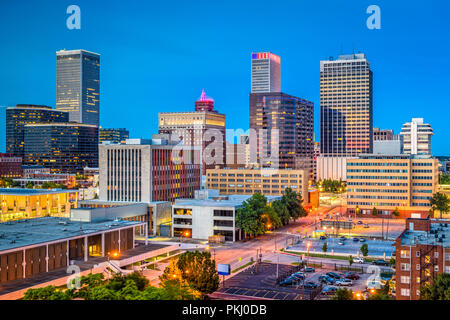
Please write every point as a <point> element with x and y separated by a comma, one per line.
<point>440,202</point>
<point>281,211</point>
<point>199,270</point>
<point>364,249</point>
<point>439,289</point>
<point>293,202</point>
<point>374,211</point>
<point>343,294</point>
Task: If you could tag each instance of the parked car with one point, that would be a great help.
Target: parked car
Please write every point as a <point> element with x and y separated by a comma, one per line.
<point>360,222</point>
<point>298,273</point>
<point>344,282</point>
<point>341,243</point>
<point>309,270</point>
<point>374,285</point>
<point>366,226</point>
<point>309,285</point>
<point>358,260</point>
<point>355,239</point>
<point>323,238</point>
<point>326,279</point>
<point>362,240</point>
<point>380,262</point>
<point>351,276</point>
<point>297,276</point>
<point>330,290</point>
<point>342,238</point>
<point>334,275</point>
<point>289,281</point>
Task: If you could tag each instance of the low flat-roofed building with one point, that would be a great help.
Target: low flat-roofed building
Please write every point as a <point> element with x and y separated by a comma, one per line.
<point>154,213</point>
<point>422,253</point>
<point>388,182</point>
<point>209,215</point>
<point>33,246</point>
<point>267,181</point>
<point>19,204</point>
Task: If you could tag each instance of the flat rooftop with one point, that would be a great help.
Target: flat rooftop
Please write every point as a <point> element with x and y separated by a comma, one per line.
<point>31,192</point>
<point>27,232</point>
<point>438,230</point>
<point>234,200</point>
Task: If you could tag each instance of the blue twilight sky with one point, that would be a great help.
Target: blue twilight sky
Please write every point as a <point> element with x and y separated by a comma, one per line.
<point>158,55</point>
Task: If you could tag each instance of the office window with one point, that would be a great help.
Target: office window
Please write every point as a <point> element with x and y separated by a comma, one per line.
<point>405,292</point>
<point>404,266</point>
<point>404,279</point>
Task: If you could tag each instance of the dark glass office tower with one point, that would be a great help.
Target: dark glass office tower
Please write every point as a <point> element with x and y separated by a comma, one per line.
<point>294,118</point>
<point>78,85</point>
<point>346,111</point>
<point>62,147</point>
<point>2,129</point>
<point>114,135</point>
<point>22,114</point>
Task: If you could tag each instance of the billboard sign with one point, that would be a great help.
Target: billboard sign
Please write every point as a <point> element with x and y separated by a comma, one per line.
<point>223,269</point>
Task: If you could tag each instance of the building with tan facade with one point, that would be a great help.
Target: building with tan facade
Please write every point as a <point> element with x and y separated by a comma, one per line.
<point>387,182</point>
<point>248,181</point>
<point>204,127</point>
<point>18,204</point>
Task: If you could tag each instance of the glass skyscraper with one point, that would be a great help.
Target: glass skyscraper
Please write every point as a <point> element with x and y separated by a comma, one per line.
<point>294,118</point>
<point>346,111</point>
<point>114,135</point>
<point>22,114</point>
<point>2,129</point>
<point>61,147</point>
<point>78,85</point>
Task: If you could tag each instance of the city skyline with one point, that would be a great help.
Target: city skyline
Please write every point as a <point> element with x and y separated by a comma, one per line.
<point>183,79</point>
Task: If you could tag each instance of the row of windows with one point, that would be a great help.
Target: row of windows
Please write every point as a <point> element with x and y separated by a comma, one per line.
<point>377,177</point>
<point>377,197</point>
<point>376,164</point>
<point>377,171</point>
<point>378,190</point>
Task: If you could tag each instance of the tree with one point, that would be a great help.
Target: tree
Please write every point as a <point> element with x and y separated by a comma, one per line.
<point>282,211</point>
<point>350,260</point>
<point>255,216</point>
<point>396,213</point>
<point>343,294</point>
<point>325,247</point>
<point>29,185</point>
<point>438,290</point>
<point>364,249</point>
<point>374,212</point>
<point>293,202</point>
<point>46,293</point>
<point>199,270</point>
<point>392,262</point>
<point>440,202</point>
<point>381,294</point>
<point>132,286</point>
<point>249,221</point>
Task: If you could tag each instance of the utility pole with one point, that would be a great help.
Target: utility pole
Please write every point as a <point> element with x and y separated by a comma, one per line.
<point>278,256</point>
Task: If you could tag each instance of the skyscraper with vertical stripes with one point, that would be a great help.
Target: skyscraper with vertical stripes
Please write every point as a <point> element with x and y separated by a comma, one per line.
<point>346,106</point>
<point>78,85</point>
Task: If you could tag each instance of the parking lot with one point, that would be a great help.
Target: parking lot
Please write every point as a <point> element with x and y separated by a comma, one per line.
<point>261,282</point>
<point>377,248</point>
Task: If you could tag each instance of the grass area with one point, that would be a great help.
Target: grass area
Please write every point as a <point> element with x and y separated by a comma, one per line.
<point>243,266</point>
